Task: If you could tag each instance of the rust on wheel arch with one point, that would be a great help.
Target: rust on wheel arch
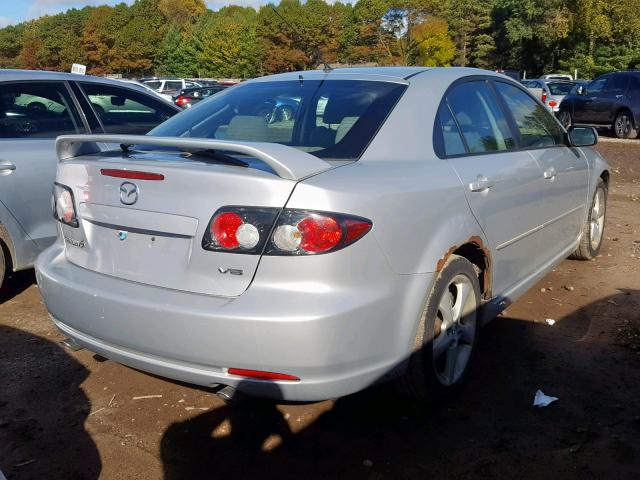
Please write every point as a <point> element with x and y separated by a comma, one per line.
<point>477,253</point>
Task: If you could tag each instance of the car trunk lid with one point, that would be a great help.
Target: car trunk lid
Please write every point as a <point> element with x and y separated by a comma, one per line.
<point>143,215</point>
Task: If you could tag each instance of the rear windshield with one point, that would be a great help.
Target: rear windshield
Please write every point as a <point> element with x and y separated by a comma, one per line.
<point>331,119</point>
<point>560,88</point>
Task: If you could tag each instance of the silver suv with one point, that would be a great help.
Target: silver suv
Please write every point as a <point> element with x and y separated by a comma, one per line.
<point>36,107</point>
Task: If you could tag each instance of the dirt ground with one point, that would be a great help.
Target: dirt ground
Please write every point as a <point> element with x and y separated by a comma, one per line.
<point>75,416</point>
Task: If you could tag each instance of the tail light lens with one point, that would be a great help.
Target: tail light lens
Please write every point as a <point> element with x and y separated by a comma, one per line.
<point>239,229</point>
<point>302,232</point>
<point>251,230</point>
<point>181,101</point>
<point>63,204</point>
<point>553,103</point>
<point>543,98</point>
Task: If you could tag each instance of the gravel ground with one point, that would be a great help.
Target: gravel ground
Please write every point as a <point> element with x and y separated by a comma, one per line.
<point>76,416</point>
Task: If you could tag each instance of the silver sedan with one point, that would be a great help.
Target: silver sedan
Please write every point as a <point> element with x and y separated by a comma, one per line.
<point>366,238</point>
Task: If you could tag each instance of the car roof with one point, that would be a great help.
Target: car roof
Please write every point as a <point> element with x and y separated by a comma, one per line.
<point>8,75</point>
<point>388,74</point>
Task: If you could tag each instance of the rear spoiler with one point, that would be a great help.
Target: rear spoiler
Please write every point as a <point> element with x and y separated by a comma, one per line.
<point>288,162</point>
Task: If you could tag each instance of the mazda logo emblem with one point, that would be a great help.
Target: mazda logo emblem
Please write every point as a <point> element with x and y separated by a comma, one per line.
<point>129,193</point>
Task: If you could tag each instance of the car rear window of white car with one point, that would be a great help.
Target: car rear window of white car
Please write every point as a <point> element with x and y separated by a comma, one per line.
<point>331,119</point>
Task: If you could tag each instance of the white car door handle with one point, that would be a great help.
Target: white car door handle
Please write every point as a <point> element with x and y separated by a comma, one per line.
<point>481,184</point>
<point>550,173</point>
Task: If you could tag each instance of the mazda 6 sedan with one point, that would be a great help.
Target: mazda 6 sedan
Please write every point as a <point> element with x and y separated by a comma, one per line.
<point>366,238</point>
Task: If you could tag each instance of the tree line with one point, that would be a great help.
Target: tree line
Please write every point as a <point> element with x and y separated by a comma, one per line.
<point>185,38</point>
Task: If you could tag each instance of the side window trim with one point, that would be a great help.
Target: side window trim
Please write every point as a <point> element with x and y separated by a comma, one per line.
<point>511,121</point>
<point>80,110</point>
<point>89,105</point>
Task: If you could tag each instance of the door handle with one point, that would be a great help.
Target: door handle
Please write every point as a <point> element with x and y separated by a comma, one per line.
<point>550,173</point>
<point>481,184</point>
<point>619,96</point>
<point>6,168</point>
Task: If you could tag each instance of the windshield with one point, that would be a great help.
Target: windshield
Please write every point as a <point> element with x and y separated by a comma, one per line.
<point>560,88</point>
<point>331,119</point>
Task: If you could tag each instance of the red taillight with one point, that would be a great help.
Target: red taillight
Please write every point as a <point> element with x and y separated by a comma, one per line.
<point>181,101</point>
<point>224,228</point>
<point>553,103</point>
<point>131,174</point>
<point>356,229</point>
<point>319,234</point>
<point>64,208</point>
<point>543,98</point>
<point>251,230</point>
<point>264,375</point>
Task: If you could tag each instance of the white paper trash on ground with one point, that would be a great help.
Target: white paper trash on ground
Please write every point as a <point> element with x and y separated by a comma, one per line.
<point>542,400</point>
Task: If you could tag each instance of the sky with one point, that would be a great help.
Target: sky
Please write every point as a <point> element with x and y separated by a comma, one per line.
<point>16,11</point>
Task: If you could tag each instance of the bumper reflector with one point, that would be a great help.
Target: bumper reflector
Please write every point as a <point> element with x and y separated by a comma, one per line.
<point>264,375</point>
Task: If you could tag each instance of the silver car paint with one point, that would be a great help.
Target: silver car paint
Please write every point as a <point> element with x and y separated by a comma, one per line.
<point>26,224</point>
<point>340,321</point>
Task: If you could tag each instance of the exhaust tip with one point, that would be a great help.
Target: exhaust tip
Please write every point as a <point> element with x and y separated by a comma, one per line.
<point>70,344</point>
<point>228,394</point>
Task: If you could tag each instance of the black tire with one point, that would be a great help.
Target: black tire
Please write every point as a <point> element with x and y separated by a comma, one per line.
<point>623,125</point>
<point>587,249</point>
<point>564,117</point>
<point>423,380</point>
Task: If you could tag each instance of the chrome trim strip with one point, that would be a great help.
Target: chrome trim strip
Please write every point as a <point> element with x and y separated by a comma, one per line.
<point>539,227</point>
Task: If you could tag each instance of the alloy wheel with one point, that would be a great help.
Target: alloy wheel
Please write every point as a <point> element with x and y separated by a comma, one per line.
<point>455,328</point>
<point>623,125</point>
<point>597,219</point>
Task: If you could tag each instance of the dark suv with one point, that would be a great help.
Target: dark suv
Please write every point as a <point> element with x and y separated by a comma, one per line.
<point>611,101</point>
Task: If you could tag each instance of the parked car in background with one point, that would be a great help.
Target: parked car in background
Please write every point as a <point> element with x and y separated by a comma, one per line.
<point>35,108</point>
<point>514,74</point>
<point>164,96</point>
<point>169,86</point>
<point>551,91</point>
<point>188,97</point>
<point>557,76</point>
<point>365,238</point>
<point>610,101</point>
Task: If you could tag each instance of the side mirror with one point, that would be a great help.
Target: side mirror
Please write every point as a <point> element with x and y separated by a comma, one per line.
<point>582,136</point>
<point>117,101</point>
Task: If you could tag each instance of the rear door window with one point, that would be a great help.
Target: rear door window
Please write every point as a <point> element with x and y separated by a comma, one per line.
<point>154,84</point>
<point>536,125</point>
<point>123,110</point>
<point>480,119</point>
<point>172,86</point>
<point>560,88</point>
<point>597,85</point>
<point>617,84</point>
<point>37,110</point>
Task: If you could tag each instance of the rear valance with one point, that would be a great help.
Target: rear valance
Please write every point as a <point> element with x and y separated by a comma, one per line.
<point>288,162</point>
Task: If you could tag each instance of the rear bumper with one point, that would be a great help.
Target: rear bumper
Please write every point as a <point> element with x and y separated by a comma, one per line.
<point>337,341</point>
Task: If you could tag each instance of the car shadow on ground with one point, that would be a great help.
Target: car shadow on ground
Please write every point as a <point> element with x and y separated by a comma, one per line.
<point>36,374</point>
<point>16,283</point>
<point>490,430</point>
